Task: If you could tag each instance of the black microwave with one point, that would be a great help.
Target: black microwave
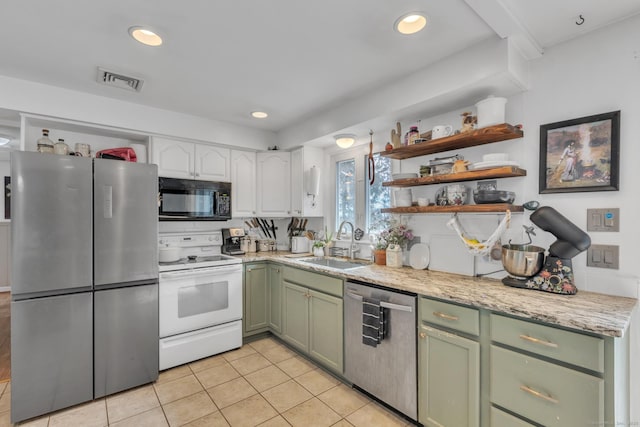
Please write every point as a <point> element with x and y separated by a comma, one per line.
<point>193,200</point>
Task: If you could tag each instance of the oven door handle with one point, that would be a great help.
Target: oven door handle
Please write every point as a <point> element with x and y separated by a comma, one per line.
<point>201,271</point>
<point>384,304</point>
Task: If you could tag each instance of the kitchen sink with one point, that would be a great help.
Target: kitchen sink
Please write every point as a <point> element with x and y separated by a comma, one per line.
<point>334,263</point>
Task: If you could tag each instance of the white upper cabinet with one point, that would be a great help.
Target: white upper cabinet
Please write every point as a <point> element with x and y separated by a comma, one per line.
<point>274,183</point>
<point>182,159</point>
<point>304,182</point>
<point>243,183</point>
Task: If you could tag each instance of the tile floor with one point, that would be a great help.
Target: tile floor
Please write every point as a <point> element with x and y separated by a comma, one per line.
<point>261,384</point>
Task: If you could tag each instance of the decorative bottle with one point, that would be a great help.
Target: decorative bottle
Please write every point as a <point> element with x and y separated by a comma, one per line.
<point>45,145</point>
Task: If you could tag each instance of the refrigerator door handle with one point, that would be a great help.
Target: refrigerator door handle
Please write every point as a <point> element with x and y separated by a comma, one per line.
<point>107,201</point>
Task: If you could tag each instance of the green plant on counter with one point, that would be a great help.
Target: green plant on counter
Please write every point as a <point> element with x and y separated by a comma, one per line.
<point>318,244</point>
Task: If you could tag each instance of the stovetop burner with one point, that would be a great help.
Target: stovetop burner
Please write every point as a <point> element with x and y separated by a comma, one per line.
<point>199,250</point>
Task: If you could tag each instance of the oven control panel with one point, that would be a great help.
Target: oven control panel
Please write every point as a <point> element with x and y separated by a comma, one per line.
<point>191,240</point>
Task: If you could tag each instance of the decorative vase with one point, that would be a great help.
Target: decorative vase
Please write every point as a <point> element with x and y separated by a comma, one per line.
<point>380,256</point>
<point>394,256</point>
<point>318,251</point>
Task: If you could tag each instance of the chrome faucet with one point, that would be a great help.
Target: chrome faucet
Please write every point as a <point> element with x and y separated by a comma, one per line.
<point>353,248</point>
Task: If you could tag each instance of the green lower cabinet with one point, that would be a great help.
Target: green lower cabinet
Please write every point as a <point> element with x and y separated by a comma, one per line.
<point>275,299</point>
<point>502,419</point>
<point>312,322</point>
<point>449,379</point>
<point>295,315</point>
<point>325,329</point>
<point>256,290</point>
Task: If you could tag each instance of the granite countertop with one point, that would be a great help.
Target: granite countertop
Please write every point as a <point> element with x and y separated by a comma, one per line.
<point>586,311</point>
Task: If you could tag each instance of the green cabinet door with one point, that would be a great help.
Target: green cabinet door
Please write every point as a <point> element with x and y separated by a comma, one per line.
<point>255,319</point>
<point>295,315</point>
<point>275,299</point>
<point>449,379</point>
<point>325,329</point>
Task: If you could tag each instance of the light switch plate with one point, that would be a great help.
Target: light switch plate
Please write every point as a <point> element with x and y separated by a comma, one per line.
<point>607,219</point>
<point>603,256</point>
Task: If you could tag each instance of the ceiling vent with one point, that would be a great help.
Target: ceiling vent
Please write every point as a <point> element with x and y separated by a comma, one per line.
<point>111,78</point>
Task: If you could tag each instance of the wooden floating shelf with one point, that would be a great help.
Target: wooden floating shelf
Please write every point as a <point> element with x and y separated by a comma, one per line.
<point>485,208</point>
<point>501,172</point>
<point>482,136</point>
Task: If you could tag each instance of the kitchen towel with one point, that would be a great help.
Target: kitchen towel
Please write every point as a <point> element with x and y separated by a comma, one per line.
<point>373,322</point>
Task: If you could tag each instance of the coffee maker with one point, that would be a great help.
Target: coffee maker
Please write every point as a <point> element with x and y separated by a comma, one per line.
<point>231,238</point>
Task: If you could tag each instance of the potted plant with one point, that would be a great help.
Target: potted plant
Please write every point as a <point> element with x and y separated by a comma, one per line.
<point>318,248</point>
<point>327,241</point>
<point>379,250</point>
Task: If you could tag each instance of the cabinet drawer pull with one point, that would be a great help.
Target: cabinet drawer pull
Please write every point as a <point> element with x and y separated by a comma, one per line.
<point>445,316</point>
<point>539,341</point>
<point>422,335</point>
<point>538,394</point>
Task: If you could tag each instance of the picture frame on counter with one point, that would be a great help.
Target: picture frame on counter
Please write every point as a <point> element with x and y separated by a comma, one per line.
<point>580,155</point>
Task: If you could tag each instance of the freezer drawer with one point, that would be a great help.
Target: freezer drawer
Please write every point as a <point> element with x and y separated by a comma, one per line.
<point>51,354</point>
<point>126,338</point>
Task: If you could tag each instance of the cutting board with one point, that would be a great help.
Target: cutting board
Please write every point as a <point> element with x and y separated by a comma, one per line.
<point>449,254</point>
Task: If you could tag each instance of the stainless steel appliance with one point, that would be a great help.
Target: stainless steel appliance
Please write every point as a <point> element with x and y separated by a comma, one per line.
<point>200,299</point>
<point>193,200</point>
<point>84,311</point>
<point>387,371</point>
<point>232,241</point>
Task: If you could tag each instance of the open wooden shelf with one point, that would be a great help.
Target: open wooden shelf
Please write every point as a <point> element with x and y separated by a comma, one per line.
<point>501,172</point>
<point>482,136</point>
<point>486,208</point>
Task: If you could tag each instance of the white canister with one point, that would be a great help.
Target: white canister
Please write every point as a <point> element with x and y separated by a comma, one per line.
<point>299,244</point>
<point>491,111</point>
<point>394,256</point>
<point>402,197</point>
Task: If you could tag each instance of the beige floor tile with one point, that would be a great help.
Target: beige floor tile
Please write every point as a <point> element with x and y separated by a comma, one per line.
<point>35,422</point>
<point>2,387</point>
<point>286,396</point>
<point>243,351</point>
<point>217,375</point>
<point>5,402</point>
<point>312,413</point>
<point>278,353</point>
<point>86,415</point>
<point>209,362</point>
<point>262,345</point>
<point>5,419</point>
<point>317,381</point>
<point>266,378</point>
<point>189,409</point>
<point>212,420</point>
<point>251,363</point>
<point>275,422</point>
<point>249,412</point>
<point>374,414</point>
<point>343,400</point>
<point>342,423</point>
<point>296,366</point>
<point>177,389</point>
<point>231,392</point>
<point>131,402</point>
<point>152,418</point>
<point>173,373</point>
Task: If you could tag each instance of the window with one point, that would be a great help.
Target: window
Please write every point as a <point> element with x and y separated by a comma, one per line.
<point>377,196</point>
<point>356,200</point>
<point>346,191</point>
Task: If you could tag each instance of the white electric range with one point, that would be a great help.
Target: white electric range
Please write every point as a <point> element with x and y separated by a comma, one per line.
<point>200,299</point>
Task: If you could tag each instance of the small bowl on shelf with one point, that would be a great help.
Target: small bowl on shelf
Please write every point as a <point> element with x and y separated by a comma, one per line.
<point>493,196</point>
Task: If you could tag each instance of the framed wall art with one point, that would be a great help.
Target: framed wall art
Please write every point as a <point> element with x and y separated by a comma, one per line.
<point>580,154</point>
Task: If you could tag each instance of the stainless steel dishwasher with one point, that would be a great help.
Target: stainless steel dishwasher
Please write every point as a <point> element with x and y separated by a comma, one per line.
<point>389,370</point>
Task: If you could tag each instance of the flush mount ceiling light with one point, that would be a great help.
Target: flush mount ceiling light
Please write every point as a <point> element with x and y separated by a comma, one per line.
<point>410,23</point>
<point>259,115</point>
<point>4,140</point>
<point>345,140</point>
<point>145,36</point>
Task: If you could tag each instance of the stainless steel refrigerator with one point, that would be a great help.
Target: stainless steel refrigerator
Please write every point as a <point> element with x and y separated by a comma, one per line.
<point>84,310</point>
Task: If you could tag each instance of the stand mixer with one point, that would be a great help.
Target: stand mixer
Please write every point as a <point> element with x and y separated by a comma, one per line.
<point>525,262</point>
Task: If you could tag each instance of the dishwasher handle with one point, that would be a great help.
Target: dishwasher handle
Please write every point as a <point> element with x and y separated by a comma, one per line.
<point>384,304</point>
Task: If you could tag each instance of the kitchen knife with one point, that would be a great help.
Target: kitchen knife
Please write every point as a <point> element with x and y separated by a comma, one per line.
<point>266,227</point>
<point>273,227</point>
<point>248,225</point>
<point>294,227</point>
<point>304,224</point>
<point>261,228</point>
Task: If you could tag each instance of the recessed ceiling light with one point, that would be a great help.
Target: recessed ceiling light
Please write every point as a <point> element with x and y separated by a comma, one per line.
<point>259,114</point>
<point>410,23</point>
<point>145,36</point>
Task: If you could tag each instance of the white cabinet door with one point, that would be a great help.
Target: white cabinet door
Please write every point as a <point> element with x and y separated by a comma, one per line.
<point>302,160</point>
<point>175,159</point>
<point>212,163</point>
<point>274,183</point>
<point>243,183</point>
